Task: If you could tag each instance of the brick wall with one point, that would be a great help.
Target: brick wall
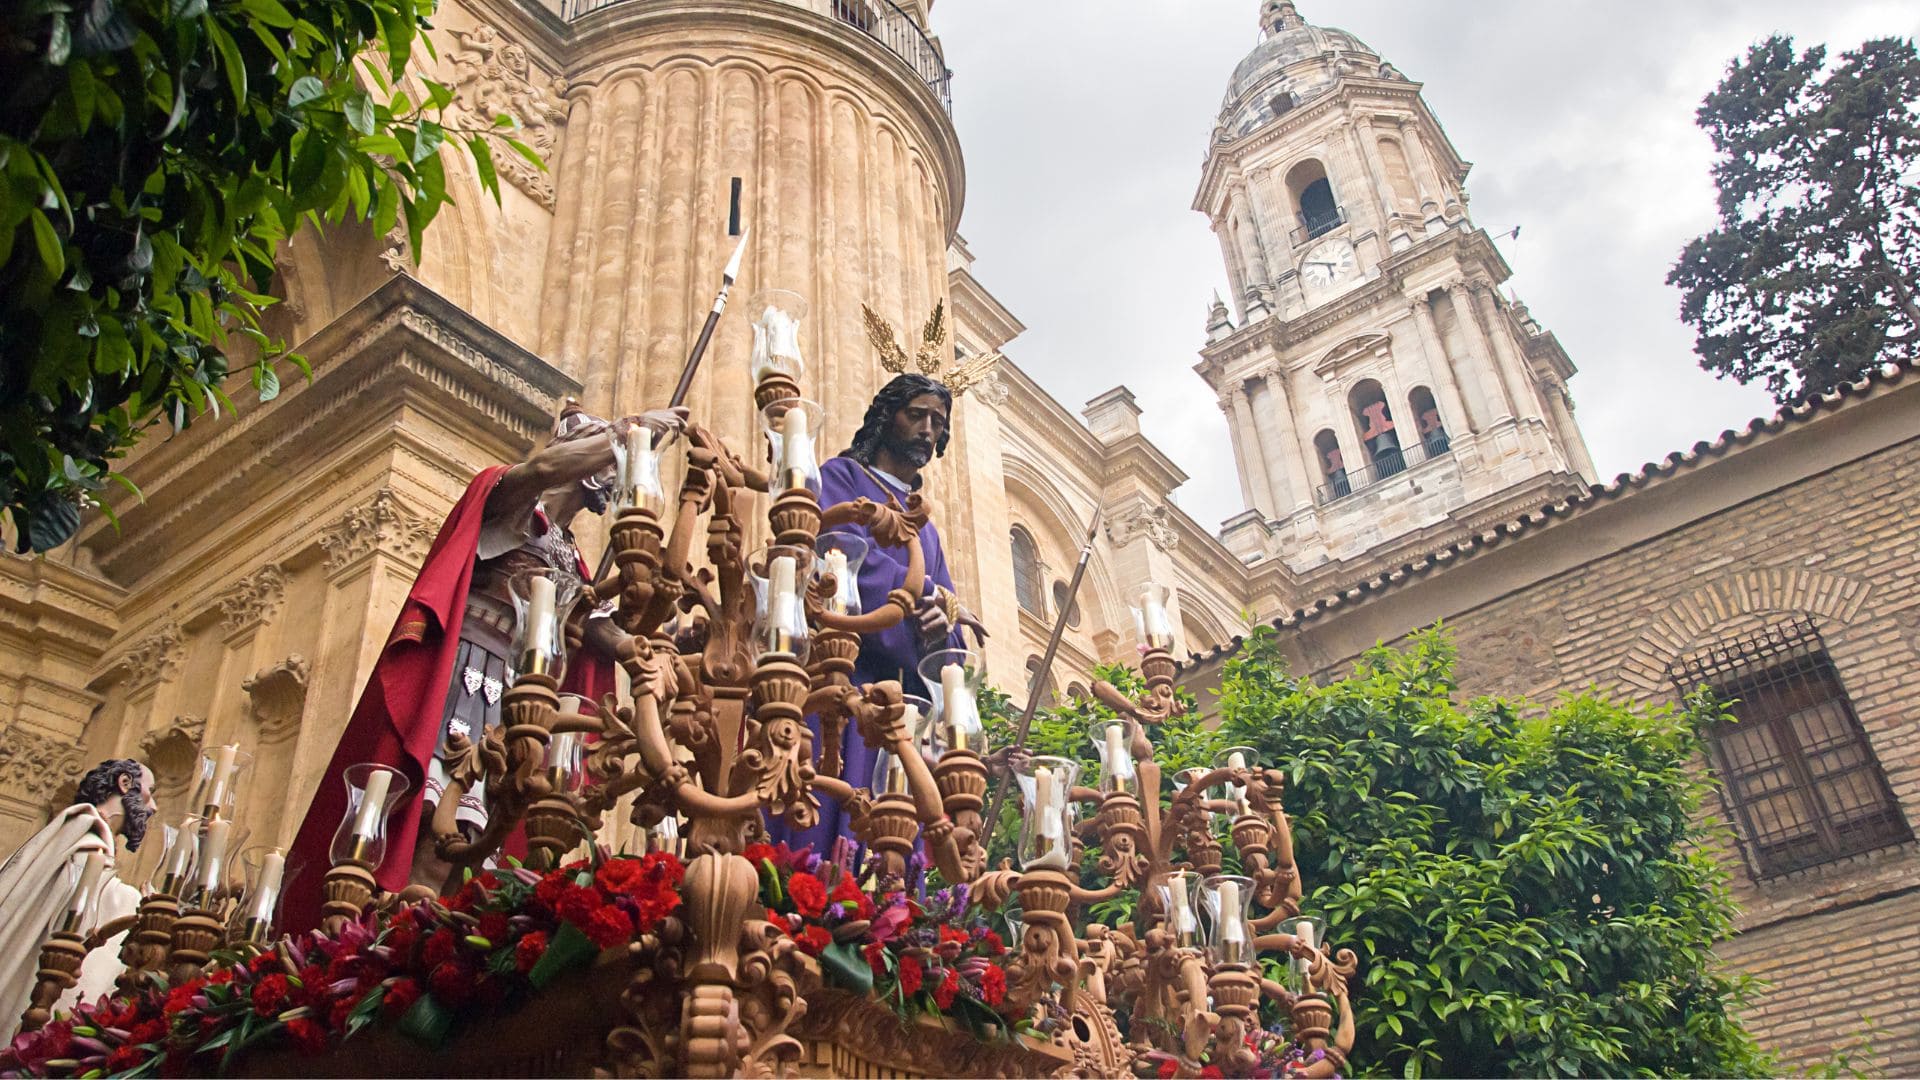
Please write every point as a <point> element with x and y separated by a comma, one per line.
<point>1838,941</point>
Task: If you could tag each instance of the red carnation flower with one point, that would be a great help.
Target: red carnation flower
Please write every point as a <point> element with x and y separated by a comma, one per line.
<point>402,938</point>
<point>265,962</point>
<point>619,875</point>
<point>778,920</point>
<point>1211,1072</point>
<point>494,927</point>
<point>270,994</point>
<point>853,902</point>
<point>993,943</point>
<point>441,947</point>
<point>452,984</point>
<point>551,888</point>
<point>577,905</point>
<point>180,998</point>
<point>220,977</point>
<point>809,895</point>
<point>758,853</point>
<point>814,939</point>
<point>664,867</point>
<point>609,927</point>
<point>125,1057</point>
<point>341,1009</point>
<point>656,902</point>
<point>993,985</point>
<point>399,998</point>
<point>949,986</point>
<point>147,1031</point>
<point>875,954</point>
<point>308,1035</point>
<point>910,972</point>
<point>1167,1069</point>
<point>529,951</point>
<point>313,985</point>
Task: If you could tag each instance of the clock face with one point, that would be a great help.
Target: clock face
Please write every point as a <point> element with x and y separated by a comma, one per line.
<point>1327,264</point>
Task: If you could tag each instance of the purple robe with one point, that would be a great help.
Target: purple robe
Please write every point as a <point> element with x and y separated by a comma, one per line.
<point>890,654</point>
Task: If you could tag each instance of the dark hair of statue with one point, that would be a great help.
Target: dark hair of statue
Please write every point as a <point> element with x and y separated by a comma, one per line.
<point>886,404</point>
<point>103,782</point>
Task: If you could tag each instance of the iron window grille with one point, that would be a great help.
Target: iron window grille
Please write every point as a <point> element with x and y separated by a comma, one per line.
<point>1797,770</point>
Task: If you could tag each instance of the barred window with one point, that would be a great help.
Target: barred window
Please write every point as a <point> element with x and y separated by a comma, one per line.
<point>1027,588</point>
<point>1799,774</point>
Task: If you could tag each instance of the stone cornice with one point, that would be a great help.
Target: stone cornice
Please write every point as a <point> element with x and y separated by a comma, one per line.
<point>974,305</point>
<point>51,601</point>
<point>404,345</point>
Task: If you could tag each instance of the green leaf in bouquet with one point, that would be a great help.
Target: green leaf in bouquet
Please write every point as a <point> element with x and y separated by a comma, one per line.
<point>428,1022</point>
<point>845,967</point>
<point>568,949</point>
<point>770,891</point>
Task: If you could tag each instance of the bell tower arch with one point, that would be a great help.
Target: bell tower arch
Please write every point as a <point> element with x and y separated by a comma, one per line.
<point>1381,388</point>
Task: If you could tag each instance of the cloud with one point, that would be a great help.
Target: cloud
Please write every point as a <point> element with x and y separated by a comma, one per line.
<point>1084,125</point>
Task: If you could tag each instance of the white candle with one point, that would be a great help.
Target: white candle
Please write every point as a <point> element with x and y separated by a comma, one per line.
<point>910,717</point>
<point>639,446</point>
<point>1232,932</point>
<point>213,854</point>
<point>540,614</point>
<point>842,580</point>
<point>373,802</point>
<point>776,341</point>
<point>796,446</point>
<point>1154,614</point>
<point>570,703</point>
<point>1304,931</point>
<point>953,702</point>
<point>267,891</point>
<point>1182,909</point>
<point>1238,760</point>
<point>1119,760</point>
<point>786,599</point>
<point>222,774</point>
<point>90,870</point>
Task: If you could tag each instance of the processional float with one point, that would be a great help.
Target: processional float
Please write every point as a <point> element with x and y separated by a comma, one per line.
<point>726,659</point>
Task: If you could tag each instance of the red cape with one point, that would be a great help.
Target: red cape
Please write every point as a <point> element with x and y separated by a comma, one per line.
<point>398,719</point>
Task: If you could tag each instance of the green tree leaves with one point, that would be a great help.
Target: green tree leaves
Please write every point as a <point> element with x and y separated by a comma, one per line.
<point>1524,891</point>
<point>1809,279</point>
<point>153,156</point>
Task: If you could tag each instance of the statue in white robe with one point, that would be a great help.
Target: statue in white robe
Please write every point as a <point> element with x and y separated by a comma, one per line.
<point>37,884</point>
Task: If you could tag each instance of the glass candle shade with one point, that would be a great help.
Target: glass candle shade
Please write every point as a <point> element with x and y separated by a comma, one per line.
<point>1046,824</point>
<point>218,778</point>
<point>791,426</point>
<point>1311,931</point>
<point>566,762</point>
<point>954,679</point>
<point>776,315</point>
<point>665,836</point>
<point>217,844</point>
<point>780,613</point>
<point>269,874</point>
<point>889,774</point>
<point>840,555</point>
<point>372,793</point>
<point>1228,899</point>
<point>1179,893</point>
<point>1113,741</point>
<point>542,597</point>
<point>1151,619</point>
<point>637,467</point>
<point>179,848</point>
<point>919,720</point>
<point>1237,757</point>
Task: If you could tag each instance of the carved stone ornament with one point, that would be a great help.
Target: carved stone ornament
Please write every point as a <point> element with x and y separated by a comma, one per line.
<point>1149,521</point>
<point>254,599</point>
<point>379,524</point>
<point>35,766</point>
<point>278,697</point>
<point>992,389</point>
<point>394,253</point>
<point>493,76</point>
<point>171,752</point>
<point>156,658</point>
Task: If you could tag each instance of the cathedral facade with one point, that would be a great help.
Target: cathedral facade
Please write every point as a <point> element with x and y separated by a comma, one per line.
<point>1402,430</point>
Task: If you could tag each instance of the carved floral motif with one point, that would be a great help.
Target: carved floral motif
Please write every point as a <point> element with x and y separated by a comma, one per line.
<point>379,524</point>
<point>1151,522</point>
<point>155,658</point>
<point>493,76</point>
<point>254,599</point>
<point>34,766</point>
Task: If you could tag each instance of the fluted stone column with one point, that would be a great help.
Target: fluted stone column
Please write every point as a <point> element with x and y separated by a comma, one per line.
<point>1253,461</point>
<point>1453,406</point>
<point>1299,485</point>
<point>853,184</point>
<point>1513,368</point>
<point>1487,368</point>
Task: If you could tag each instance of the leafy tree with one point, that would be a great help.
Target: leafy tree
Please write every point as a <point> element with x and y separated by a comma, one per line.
<point>1527,894</point>
<point>1809,278</point>
<point>153,154</point>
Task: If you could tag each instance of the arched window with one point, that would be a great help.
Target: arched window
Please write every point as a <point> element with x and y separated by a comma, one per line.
<point>1312,196</point>
<point>1332,466</point>
<point>1046,688</point>
<point>1375,421</point>
<point>1060,601</point>
<point>1026,573</point>
<point>1426,420</point>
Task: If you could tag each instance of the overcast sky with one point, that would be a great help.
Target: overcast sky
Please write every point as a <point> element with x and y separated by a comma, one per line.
<point>1084,123</point>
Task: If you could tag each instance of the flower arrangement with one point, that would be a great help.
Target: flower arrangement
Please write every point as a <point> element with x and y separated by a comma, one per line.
<point>502,936</point>
<point>919,954</point>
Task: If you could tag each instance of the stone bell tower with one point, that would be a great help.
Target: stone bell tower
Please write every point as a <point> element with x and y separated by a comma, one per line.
<point>1380,390</point>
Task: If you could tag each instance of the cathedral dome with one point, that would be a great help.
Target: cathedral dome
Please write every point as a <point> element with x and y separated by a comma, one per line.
<point>1294,63</point>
